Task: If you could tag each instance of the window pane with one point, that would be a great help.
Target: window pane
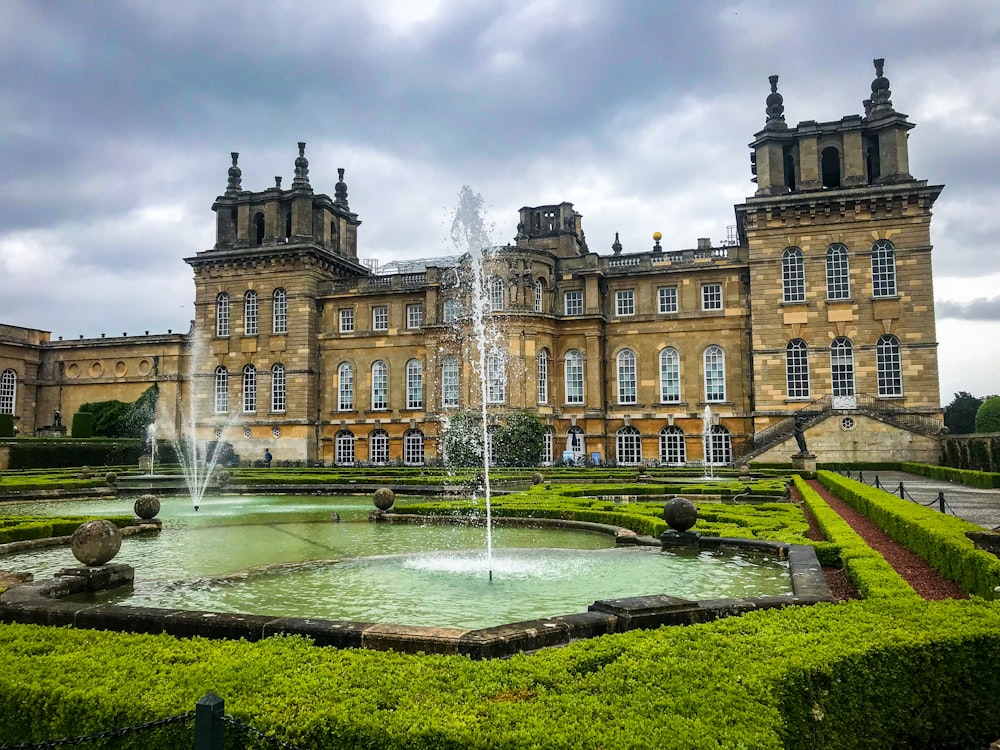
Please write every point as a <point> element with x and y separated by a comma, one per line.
<point>380,318</point>
<point>280,317</point>
<point>249,389</point>
<point>842,367</point>
<point>797,369</point>
<point>890,368</point>
<point>543,377</point>
<point>222,315</point>
<point>711,297</point>
<point>380,386</point>
<point>793,275</point>
<point>278,388</point>
<point>715,374</point>
<point>574,302</point>
<point>250,313</point>
<point>449,382</point>
<point>574,377</point>
<point>414,384</point>
<point>626,377</point>
<point>667,299</point>
<point>670,376</point>
<point>838,283</point>
<point>883,269</point>
<point>345,387</point>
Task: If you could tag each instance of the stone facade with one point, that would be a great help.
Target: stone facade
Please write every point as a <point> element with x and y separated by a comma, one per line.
<point>819,302</point>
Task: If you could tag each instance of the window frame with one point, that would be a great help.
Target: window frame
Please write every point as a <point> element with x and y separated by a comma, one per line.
<point>380,317</point>
<point>838,273</point>
<point>670,364</point>
<point>496,376</point>
<point>711,297</point>
<point>279,311</point>
<point>248,387</point>
<point>884,281</point>
<point>673,446</point>
<point>344,448</point>
<point>250,313</point>
<point>625,303</point>
<point>842,368</point>
<point>576,296</point>
<point>414,315</point>
<point>345,386</point>
<point>496,291</point>
<point>666,300</point>
<point>279,388</point>
<point>378,447</point>
<point>574,375</point>
<point>8,391</point>
<point>793,275</point>
<point>715,374</point>
<point>542,373</point>
<point>628,446</point>
<point>346,315</point>
<point>223,319</point>
<point>449,382</point>
<point>221,390</point>
<point>380,385</point>
<point>797,370</point>
<point>413,448</point>
<point>626,370</point>
<point>414,384</point>
<point>889,366</point>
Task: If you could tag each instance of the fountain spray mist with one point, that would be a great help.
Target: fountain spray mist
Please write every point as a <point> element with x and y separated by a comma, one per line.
<point>469,233</point>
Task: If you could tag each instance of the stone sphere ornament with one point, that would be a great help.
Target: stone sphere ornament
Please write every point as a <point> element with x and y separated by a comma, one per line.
<point>146,507</point>
<point>680,514</point>
<point>96,542</point>
<point>384,498</point>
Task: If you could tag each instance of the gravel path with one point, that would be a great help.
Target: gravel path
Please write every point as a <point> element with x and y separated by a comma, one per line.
<point>924,579</point>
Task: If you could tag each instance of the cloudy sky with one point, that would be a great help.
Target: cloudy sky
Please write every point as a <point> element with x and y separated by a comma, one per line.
<point>117,119</point>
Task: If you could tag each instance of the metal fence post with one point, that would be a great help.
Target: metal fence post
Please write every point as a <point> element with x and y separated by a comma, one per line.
<point>941,500</point>
<point>878,484</point>
<point>902,492</point>
<point>209,729</point>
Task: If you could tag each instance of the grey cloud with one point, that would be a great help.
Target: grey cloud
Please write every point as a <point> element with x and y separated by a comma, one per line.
<point>977,309</point>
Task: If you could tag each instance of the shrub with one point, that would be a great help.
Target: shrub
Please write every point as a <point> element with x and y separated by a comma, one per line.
<point>988,415</point>
<point>83,425</point>
<point>6,425</point>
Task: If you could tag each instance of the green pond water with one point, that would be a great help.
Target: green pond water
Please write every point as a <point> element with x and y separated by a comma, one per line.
<point>282,555</point>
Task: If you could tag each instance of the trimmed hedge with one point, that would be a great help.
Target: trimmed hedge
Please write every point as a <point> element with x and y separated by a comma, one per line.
<point>859,675</point>
<point>937,538</point>
<point>982,479</point>
<point>19,529</point>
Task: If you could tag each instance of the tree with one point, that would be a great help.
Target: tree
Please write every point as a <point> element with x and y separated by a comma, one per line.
<point>988,415</point>
<point>960,414</point>
<point>520,441</point>
<point>120,419</point>
<point>463,440</point>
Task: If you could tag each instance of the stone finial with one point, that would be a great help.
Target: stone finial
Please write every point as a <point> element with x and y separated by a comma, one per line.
<point>775,109</point>
<point>235,176</point>
<point>277,181</point>
<point>301,168</point>
<point>616,248</point>
<point>340,191</point>
<point>881,103</point>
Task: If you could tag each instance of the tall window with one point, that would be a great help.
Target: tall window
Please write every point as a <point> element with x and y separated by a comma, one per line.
<point>380,385</point>
<point>626,377</point>
<point>452,308</point>
<point>380,318</point>
<point>345,387</point>
<point>250,313</point>
<point>543,376</point>
<point>547,439</point>
<point>720,446</point>
<point>838,277</point>
<point>793,275</point>
<point>629,446</point>
<point>496,376</point>
<point>666,299</point>
<point>842,367</point>
<point>890,367</point>
<point>449,382</point>
<point>413,448</point>
<point>278,401</point>
<point>797,369</point>
<point>670,376</point>
<point>378,447</point>
<point>222,315</point>
<point>538,295</point>
<point>673,450</point>
<point>711,297</point>
<point>249,389</point>
<point>8,391</point>
<point>221,390</point>
<point>715,374</point>
<point>625,302</point>
<point>414,384</point>
<point>279,318</point>
<point>574,302</point>
<point>414,316</point>
<point>496,294</point>
<point>258,229</point>
<point>344,455</point>
<point>883,269</point>
<point>574,377</point>
<point>347,320</point>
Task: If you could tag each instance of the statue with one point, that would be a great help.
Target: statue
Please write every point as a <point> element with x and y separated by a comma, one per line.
<point>799,432</point>
<point>57,419</point>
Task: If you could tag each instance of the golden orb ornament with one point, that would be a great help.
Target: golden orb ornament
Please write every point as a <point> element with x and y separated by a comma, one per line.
<point>657,236</point>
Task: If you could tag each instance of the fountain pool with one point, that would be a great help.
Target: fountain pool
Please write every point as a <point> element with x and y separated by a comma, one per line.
<point>282,556</point>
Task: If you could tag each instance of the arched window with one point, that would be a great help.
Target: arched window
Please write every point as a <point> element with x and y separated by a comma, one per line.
<point>8,391</point>
<point>496,376</point>
<point>629,446</point>
<point>538,295</point>
<point>496,294</point>
<point>449,382</point>
<point>883,269</point>
<point>576,442</point>
<point>279,323</point>
<point>670,376</point>
<point>378,447</point>
<point>842,367</point>
<point>250,313</point>
<point>345,387</point>
<point>344,448</point>
<point>797,369</point>
<point>574,377</point>
<point>222,315</point>
<point>673,450</point>
<point>838,276</point>
<point>278,402</point>
<point>413,448</point>
<point>258,229</point>
<point>221,390</point>
<point>720,450</point>
<point>414,384</point>
<point>626,377</point>
<point>380,385</point>
<point>715,374</point>
<point>543,376</point>
<point>890,366</point>
<point>249,389</point>
<point>547,439</point>
<point>793,275</point>
<point>288,224</point>
<point>830,167</point>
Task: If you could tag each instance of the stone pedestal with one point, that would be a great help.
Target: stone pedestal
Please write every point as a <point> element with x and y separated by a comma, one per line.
<point>100,577</point>
<point>804,462</point>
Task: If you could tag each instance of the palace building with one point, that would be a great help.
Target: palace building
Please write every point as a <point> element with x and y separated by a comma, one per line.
<point>819,304</point>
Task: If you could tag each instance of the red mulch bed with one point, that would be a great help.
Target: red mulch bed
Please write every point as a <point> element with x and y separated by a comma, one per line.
<point>924,579</point>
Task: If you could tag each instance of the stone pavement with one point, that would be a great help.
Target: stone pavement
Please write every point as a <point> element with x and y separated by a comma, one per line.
<point>971,503</point>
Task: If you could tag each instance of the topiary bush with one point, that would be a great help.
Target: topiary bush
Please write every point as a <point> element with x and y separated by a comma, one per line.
<point>988,415</point>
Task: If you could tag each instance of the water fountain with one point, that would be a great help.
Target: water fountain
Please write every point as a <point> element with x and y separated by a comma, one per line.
<point>707,442</point>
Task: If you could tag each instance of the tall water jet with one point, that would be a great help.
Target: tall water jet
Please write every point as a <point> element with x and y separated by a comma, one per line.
<point>151,436</point>
<point>469,233</point>
<point>707,440</point>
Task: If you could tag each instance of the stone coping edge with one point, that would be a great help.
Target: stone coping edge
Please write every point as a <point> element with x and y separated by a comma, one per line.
<point>41,603</point>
